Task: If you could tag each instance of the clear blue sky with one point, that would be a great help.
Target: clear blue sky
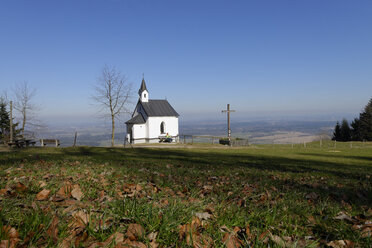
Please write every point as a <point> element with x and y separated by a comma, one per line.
<point>286,57</point>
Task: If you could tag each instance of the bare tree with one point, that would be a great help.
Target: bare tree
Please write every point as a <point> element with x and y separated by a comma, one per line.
<point>24,104</point>
<point>112,94</point>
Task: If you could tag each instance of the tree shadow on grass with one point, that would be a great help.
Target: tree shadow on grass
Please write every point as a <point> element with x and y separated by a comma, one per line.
<point>207,160</point>
<point>196,159</point>
<point>365,158</point>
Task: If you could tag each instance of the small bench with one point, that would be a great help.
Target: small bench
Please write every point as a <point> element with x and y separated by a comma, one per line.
<point>22,143</point>
<point>44,142</point>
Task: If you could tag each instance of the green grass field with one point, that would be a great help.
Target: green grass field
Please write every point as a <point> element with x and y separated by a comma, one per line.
<point>203,196</point>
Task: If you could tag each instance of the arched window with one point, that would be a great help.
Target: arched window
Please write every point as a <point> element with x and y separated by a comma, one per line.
<point>162,127</point>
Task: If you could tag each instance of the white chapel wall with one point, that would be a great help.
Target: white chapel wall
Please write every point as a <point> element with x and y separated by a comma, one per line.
<point>171,126</point>
<point>139,131</point>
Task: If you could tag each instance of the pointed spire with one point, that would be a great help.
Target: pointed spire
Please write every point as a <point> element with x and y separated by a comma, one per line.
<point>143,87</point>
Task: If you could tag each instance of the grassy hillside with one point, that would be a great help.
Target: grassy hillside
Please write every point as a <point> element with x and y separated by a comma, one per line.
<point>187,197</point>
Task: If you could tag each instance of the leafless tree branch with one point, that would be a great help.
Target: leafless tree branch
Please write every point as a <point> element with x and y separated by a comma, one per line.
<point>112,94</point>
<point>24,104</point>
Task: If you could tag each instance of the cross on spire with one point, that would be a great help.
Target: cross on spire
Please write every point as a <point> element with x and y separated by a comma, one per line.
<point>228,111</point>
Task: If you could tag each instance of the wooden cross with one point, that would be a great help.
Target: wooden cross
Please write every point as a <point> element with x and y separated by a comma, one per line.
<point>228,121</point>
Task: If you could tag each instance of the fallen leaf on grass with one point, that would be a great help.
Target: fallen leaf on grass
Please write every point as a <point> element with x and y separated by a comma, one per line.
<point>193,235</point>
<point>43,195</point>
<point>42,184</point>
<point>340,244</point>
<point>104,224</point>
<point>53,230</point>
<point>152,238</point>
<point>8,243</point>
<point>203,216</point>
<point>116,238</point>
<point>198,240</point>
<point>76,192</point>
<point>20,187</point>
<point>312,196</point>
<point>282,241</point>
<point>4,192</point>
<point>231,241</point>
<point>81,219</point>
<point>133,244</point>
<point>135,231</point>
<point>69,210</point>
<point>11,234</point>
<point>343,216</point>
<point>366,230</point>
<point>263,235</point>
<point>65,191</point>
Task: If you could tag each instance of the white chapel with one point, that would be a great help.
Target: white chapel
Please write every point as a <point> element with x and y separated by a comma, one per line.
<point>151,120</point>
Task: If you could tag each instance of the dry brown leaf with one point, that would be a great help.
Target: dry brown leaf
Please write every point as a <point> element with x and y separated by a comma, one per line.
<point>133,244</point>
<point>42,184</point>
<point>312,196</point>
<point>65,191</point>
<point>152,238</point>
<point>81,219</point>
<point>53,229</point>
<point>69,210</point>
<point>248,231</point>
<point>11,235</point>
<point>203,216</point>
<point>12,243</point>
<point>153,244</point>
<point>4,192</point>
<point>20,187</point>
<point>343,216</point>
<point>66,242</point>
<point>263,235</point>
<point>340,244</point>
<point>43,195</point>
<point>231,241</point>
<point>135,231</point>
<point>10,232</point>
<point>198,240</point>
<point>282,241</point>
<point>117,238</point>
<point>76,192</point>
<point>367,231</point>
<point>4,244</point>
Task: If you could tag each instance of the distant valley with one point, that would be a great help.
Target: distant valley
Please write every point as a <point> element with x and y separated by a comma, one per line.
<point>258,132</point>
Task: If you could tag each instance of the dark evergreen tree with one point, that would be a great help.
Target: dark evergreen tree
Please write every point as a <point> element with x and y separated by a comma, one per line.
<point>366,122</point>
<point>337,132</point>
<point>5,123</point>
<point>356,133</point>
<point>345,131</point>
<point>4,120</point>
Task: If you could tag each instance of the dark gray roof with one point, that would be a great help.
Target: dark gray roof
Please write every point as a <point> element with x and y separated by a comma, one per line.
<point>138,119</point>
<point>143,87</point>
<point>158,108</point>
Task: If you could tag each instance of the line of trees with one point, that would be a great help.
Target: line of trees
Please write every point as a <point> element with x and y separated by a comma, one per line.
<point>113,93</point>
<point>360,128</point>
<point>5,122</point>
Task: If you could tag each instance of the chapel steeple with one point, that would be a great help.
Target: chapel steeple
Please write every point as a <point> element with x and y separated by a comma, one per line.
<point>143,92</point>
